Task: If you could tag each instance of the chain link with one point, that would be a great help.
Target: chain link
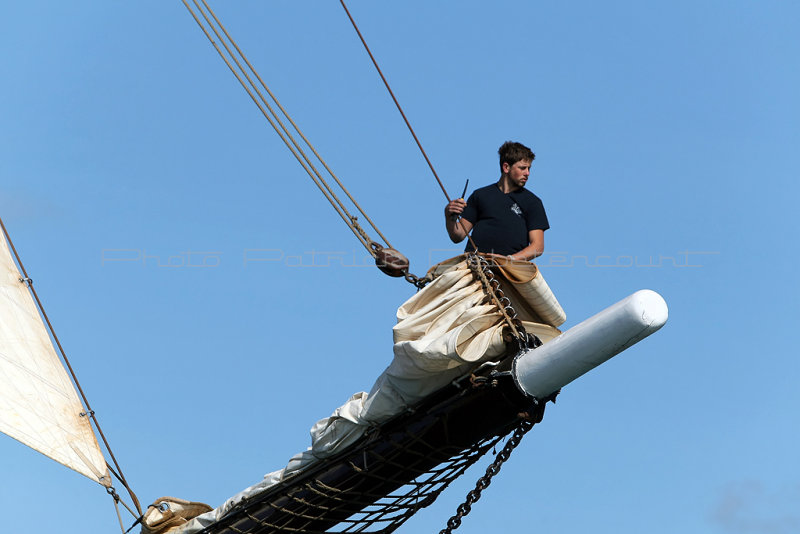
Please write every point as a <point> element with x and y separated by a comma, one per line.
<point>494,468</point>
<point>416,281</point>
<point>493,289</point>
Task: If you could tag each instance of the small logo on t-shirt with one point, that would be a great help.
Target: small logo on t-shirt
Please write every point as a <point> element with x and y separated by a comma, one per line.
<point>516,209</point>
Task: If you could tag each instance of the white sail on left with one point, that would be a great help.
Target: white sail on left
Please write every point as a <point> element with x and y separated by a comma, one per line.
<point>39,405</point>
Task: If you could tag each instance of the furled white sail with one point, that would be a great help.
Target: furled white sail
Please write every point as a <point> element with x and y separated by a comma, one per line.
<point>442,332</point>
<point>38,403</point>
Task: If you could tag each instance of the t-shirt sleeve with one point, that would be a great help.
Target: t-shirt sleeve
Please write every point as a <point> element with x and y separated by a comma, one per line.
<point>470,213</point>
<point>536,217</point>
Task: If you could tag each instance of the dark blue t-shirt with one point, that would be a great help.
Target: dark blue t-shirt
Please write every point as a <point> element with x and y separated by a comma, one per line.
<point>501,221</point>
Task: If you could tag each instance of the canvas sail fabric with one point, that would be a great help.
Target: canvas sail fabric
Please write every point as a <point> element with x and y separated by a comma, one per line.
<point>169,512</point>
<point>38,403</point>
<point>445,330</point>
<point>442,333</point>
<point>538,303</point>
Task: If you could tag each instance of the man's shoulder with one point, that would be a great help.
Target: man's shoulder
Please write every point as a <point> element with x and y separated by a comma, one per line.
<point>486,188</point>
<point>526,195</point>
<point>486,191</point>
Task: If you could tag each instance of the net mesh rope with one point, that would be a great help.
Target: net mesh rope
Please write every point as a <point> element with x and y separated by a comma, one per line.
<point>302,508</point>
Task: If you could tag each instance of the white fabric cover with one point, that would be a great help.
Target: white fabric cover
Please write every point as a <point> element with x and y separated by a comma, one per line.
<point>38,403</point>
<point>527,282</point>
<point>442,332</point>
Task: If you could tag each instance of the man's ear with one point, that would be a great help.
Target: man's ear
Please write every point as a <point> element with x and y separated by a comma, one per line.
<point>505,167</point>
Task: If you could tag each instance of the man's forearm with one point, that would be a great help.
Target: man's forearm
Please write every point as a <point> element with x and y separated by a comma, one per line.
<point>534,250</point>
<point>455,230</point>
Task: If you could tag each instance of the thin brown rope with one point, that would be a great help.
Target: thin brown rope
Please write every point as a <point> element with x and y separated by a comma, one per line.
<point>294,125</point>
<point>277,124</point>
<point>396,103</point>
<point>86,404</point>
<point>402,113</point>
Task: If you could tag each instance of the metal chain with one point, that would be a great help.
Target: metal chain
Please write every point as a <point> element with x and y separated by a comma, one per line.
<point>472,497</point>
<point>492,287</point>
<point>416,281</point>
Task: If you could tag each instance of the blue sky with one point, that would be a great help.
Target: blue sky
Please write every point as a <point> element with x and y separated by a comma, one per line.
<point>137,180</point>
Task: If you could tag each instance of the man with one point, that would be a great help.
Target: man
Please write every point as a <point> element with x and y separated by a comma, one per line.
<point>508,220</point>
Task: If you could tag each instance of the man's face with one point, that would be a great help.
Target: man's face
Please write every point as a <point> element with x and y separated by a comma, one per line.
<point>518,173</point>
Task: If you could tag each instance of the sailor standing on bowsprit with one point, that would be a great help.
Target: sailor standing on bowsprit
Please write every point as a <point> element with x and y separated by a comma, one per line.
<point>508,220</point>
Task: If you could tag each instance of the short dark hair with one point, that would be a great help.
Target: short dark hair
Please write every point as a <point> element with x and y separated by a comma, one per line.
<point>512,152</point>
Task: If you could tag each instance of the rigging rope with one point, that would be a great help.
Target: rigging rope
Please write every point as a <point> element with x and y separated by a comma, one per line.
<point>402,113</point>
<point>396,103</point>
<point>89,412</point>
<point>236,57</point>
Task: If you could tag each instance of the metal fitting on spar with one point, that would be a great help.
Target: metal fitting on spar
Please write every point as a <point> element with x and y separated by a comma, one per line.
<point>546,369</point>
